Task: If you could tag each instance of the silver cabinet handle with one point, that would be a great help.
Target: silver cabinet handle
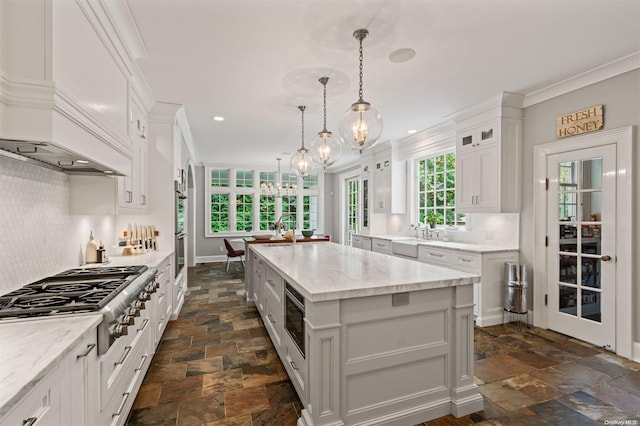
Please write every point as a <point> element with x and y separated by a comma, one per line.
<point>144,324</point>
<point>143,200</point>
<point>87,351</point>
<point>29,421</point>
<point>127,349</point>
<point>144,358</point>
<point>605,258</point>
<point>293,365</point>
<point>129,198</point>
<point>466,260</point>
<point>436,255</point>
<point>271,318</point>
<point>271,283</point>
<point>124,401</point>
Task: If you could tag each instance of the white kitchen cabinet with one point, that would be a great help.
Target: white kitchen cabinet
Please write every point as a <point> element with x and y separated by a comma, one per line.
<point>273,315</point>
<point>361,242</point>
<point>257,287</point>
<point>477,174</point>
<point>84,373</point>
<point>380,245</point>
<point>488,148</point>
<point>66,396</point>
<point>45,404</point>
<point>488,293</point>
<point>132,190</point>
<point>389,195</point>
<point>177,294</point>
<point>161,301</point>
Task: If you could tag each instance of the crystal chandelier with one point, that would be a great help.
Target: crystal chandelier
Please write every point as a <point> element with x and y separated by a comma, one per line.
<point>326,149</point>
<point>361,126</point>
<point>301,159</point>
<point>278,190</point>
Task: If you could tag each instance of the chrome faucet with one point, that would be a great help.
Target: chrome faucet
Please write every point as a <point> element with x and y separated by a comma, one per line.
<point>289,215</point>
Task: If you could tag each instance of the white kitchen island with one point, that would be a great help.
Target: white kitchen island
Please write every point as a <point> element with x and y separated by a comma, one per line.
<point>388,341</point>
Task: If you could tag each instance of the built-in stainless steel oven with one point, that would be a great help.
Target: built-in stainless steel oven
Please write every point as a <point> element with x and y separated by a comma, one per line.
<point>294,316</point>
<point>180,233</point>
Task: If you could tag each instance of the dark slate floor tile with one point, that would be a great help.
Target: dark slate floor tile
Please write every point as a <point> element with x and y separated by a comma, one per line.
<point>557,413</point>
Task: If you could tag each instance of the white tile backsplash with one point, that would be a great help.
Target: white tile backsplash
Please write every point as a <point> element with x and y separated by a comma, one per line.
<point>38,237</point>
<point>481,228</point>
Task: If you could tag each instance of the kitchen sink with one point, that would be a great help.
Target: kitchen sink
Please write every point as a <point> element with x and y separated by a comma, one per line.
<point>407,248</point>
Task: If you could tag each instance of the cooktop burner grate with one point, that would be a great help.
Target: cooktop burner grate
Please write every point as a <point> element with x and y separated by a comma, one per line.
<point>75,290</point>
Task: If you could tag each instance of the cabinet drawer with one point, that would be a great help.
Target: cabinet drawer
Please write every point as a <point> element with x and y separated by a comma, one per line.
<point>272,319</point>
<point>43,403</point>
<point>467,262</point>
<point>434,256</point>
<point>296,367</point>
<point>273,284</point>
<point>381,246</point>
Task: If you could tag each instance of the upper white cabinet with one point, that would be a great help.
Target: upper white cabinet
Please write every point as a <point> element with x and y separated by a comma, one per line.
<point>390,183</point>
<point>488,144</point>
<point>132,189</point>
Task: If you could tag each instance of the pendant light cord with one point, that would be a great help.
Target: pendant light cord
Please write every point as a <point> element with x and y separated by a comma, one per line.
<point>302,108</point>
<point>360,58</point>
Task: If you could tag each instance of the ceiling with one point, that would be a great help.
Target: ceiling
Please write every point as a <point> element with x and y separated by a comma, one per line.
<point>254,61</point>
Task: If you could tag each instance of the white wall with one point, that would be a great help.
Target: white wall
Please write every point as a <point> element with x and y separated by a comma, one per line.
<point>621,99</point>
<point>39,237</point>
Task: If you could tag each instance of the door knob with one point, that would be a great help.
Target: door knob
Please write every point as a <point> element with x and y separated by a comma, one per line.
<point>605,258</point>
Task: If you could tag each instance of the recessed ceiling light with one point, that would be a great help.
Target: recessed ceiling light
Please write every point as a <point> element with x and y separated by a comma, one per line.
<point>82,161</point>
<point>217,118</point>
<point>108,172</point>
<point>402,55</point>
<point>411,132</point>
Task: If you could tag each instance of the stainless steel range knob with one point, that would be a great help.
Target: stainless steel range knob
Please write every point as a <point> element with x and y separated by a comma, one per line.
<point>120,330</point>
<point>129,320</point>
<point>144,296</point>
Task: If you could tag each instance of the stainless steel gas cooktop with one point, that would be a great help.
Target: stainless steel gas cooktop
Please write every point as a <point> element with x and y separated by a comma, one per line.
<point>72,291</point>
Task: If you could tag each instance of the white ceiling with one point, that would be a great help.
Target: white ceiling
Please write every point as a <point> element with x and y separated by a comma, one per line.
<point>254,61</point>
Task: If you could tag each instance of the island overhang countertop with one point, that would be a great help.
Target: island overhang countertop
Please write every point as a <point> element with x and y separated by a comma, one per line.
<point>331,271</point>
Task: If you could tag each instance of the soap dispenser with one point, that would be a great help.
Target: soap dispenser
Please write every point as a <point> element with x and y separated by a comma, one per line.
<point>91,253</point>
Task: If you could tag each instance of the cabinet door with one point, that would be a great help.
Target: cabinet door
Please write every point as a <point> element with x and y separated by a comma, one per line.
<point>478,180</point>
<point>382,195</point>
<point>84,382</point>
<point>141,175</point>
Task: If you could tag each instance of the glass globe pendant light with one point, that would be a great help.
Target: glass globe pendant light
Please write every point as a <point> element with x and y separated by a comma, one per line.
<point>301,159</point>
<point>326,149</point>
<point>361,126</point>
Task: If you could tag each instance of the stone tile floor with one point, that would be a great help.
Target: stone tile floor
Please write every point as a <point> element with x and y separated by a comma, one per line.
<point>216,366</point>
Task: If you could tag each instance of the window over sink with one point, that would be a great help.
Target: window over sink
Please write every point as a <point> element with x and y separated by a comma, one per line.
<point>436,190</point>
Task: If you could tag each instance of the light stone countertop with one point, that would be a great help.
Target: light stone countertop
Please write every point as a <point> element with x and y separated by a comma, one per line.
<point>332,271</point>
<point>31,349</point>
<point>152,259</point>
<point>452,245</point>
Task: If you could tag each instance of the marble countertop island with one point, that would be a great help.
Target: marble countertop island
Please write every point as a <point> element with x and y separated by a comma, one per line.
<point>332,271</point>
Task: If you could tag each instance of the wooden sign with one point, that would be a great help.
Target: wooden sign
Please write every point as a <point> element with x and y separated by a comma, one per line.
<point>584,121</point>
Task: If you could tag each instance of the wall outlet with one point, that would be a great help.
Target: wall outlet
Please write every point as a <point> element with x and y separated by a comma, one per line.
<point>488,235</point>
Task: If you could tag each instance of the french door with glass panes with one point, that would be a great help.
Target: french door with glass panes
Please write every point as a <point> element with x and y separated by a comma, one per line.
<point>581,218</point>
<point>353,208</point>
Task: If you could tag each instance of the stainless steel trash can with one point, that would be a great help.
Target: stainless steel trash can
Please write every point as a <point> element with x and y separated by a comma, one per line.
<point>515,290</point>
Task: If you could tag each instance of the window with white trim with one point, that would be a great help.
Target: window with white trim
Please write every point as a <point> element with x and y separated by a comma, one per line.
<point>236,204</point>
<point>436,184</point>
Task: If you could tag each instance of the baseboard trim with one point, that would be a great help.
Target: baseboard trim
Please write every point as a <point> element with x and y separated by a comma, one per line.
<point>635,356</point>
<point>216,258</point>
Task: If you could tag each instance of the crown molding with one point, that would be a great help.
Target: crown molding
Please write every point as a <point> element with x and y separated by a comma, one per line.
<point>595,75</point>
